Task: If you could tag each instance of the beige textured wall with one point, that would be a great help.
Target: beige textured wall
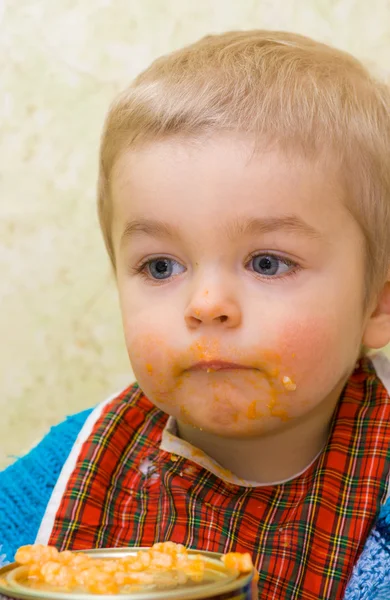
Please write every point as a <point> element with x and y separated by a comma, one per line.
<point>62,61</point>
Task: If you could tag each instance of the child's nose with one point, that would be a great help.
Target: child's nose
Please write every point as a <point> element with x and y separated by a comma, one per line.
<point>208,310</point>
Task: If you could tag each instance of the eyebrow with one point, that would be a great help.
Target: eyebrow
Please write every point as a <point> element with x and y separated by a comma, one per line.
<point>151,227</point>
<point>260,226</point>
<point>238,228</point>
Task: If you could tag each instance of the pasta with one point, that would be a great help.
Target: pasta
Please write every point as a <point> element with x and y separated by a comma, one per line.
<point>164,565</point>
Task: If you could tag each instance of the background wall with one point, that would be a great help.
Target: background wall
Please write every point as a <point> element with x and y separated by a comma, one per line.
<point>61,62</point>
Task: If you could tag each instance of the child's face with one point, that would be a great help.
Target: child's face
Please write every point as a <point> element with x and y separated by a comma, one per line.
<point>241,282</point>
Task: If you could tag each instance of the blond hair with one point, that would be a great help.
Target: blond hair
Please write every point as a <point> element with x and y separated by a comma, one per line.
<point>281,88</point>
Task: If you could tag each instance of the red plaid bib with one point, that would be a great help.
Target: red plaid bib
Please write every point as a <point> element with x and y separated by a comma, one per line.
<point>304,535</point>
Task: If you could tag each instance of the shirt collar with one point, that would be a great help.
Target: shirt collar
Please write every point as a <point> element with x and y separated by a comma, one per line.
<point>170,442</point>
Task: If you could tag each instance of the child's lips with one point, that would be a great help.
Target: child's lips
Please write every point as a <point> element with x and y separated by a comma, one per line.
<point>218,365</point>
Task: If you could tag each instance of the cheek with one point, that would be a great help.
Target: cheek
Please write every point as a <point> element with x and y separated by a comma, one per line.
<point>148,353</point>
<point>301,338</point>
<point>316,352</point>
<point>144,329</point>
<point>152,359</point>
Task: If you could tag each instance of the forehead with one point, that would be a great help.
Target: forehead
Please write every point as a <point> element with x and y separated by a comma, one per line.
<point>213,181</point>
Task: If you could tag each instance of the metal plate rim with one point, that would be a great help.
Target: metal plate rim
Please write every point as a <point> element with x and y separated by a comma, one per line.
<point>200,593</point>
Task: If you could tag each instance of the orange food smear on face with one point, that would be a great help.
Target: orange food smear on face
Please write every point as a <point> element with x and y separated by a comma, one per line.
<point>281,413</point>
<point>274,372</point>
<point>271,404</point>
<point>289,384</point>
<point>202,349</point>
<point>185,415</point>
<point>149,368</point>
<point>273,383</point>
<point>252,410</point>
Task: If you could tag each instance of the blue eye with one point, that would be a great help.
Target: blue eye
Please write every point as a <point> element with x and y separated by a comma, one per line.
<point>269,265</point>
<point>163,268</point>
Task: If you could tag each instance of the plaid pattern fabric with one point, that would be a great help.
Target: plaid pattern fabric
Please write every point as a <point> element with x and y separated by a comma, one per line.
<point>304,535</point>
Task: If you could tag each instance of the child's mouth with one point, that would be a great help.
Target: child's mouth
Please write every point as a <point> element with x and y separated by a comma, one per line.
<point>218,365</point>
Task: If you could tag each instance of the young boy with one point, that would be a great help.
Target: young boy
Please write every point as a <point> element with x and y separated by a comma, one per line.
<point>244,198</point>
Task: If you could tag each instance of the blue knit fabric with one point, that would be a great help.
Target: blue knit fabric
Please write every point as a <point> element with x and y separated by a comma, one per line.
<point>371,576</point>
<point>27,484</point>
<point>3,558</point>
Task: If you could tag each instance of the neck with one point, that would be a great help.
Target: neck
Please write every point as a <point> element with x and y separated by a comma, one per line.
<point>274,457</point>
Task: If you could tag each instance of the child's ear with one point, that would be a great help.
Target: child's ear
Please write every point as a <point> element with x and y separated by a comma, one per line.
<point>377,331</point>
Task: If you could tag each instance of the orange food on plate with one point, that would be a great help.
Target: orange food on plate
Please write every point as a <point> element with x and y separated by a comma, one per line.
<point>164,565</point>
<point>237,561</point>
